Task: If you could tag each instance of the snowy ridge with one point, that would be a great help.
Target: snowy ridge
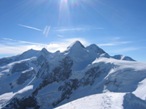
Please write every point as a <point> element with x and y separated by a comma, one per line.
<point>80,77</point>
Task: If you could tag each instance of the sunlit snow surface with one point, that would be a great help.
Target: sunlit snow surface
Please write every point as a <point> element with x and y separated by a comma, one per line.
<point>4,98</point>
<point>114,100</point>
<point>141,90</point>
<point>97,101</point>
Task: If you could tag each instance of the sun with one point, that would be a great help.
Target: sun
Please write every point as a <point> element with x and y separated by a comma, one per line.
<point>65,1</point>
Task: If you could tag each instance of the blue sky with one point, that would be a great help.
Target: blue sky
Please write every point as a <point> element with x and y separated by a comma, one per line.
<point>117,26</point>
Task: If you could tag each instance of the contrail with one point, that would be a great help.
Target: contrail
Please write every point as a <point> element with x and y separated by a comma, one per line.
<point>46,30</point>
<point>30,27</point>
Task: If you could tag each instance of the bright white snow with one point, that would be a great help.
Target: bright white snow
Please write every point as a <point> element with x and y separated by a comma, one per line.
<point>141,90</point>
<point>97,101</point>
<point>4,98</point>
<point>25,89</point>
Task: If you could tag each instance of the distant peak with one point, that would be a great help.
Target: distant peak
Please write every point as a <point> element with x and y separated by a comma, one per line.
<point>95,48</point>
<point>122,57</point>
<point>76,44</point>
<point>44,50</point>
<point>30,51</point>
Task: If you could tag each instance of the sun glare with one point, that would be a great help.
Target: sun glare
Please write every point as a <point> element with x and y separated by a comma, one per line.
<point>66,7</point>
<point>65,1</point>
<point>64,13</point>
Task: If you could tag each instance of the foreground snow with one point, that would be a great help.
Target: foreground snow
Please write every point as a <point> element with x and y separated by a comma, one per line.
<point>97,101</point>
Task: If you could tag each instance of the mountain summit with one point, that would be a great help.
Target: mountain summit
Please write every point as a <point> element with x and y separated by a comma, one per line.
<point>76,45</point>
<point>80,78</point>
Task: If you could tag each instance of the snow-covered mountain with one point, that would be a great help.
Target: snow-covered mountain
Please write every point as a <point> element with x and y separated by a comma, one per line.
<point>79,78</point>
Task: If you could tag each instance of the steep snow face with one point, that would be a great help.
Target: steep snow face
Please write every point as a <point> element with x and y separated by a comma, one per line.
<point>95,51</point>
<point>28,54</point>
<point>124,76</point>
<point>141,90</point>
<point>79,55</point>
<point>44,80</point>
<point>82,56</point>
<point>75,46</point>
<point>4,98</point>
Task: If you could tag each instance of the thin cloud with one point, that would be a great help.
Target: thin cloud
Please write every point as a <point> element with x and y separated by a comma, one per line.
<point>29,27</point>
<point>114,43</point>
<point>70,29</point>
<point>13,47</point>
<point>17,42</point>
<point>64,43</point>
<point>60,36</point>
<point>128,49</point>
<point>77,29</point>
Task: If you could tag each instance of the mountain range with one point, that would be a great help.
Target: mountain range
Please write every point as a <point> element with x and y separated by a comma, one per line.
<point>78,78</point>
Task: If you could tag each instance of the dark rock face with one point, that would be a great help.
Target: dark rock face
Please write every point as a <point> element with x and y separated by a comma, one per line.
<point>40,60</point>
<point>24,103</point>
<point>90,76</point>
<point>44,70</point>
<point>133,102</point>
<point>63,71</point>
<point>5,61</point>
<point>25,76</point>
<point>59,73</point>
<point>19,67</point>
<point>67,89</point>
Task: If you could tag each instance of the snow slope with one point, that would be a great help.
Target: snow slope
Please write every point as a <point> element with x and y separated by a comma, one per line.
<point>97,101</point>
<point>141,90</point>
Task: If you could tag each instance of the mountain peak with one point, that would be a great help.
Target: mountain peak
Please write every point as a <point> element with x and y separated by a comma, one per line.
<point>30,51</point>
<point>44,51</point>
<point>95,48</point>
<point>27,54</point>
<point>76,45</point>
